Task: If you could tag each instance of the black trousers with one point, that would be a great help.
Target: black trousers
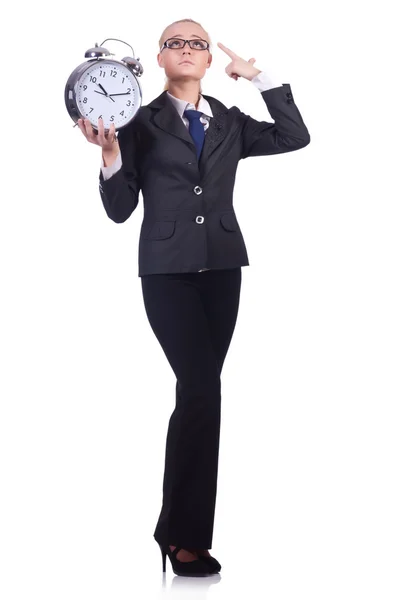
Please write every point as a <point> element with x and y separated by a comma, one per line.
<point>193,316</point>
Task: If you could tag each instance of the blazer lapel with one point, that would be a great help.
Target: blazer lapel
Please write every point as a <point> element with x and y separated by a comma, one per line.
<point>168,119</point>
<point>215,133</point>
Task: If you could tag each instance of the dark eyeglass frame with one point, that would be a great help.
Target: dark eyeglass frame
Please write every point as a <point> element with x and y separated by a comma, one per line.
<point>184,44</point>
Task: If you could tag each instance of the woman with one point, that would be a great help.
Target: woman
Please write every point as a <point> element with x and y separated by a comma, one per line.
<point>182,151</point>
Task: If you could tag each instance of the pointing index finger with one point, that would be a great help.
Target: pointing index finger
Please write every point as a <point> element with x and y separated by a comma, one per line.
<point>227,50</point>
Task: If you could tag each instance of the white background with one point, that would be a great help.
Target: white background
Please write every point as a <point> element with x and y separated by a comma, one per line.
<point>306,503</point>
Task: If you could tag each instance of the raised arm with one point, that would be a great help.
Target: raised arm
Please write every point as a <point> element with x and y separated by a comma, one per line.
<point>287,133</point>
<point>120,191</point>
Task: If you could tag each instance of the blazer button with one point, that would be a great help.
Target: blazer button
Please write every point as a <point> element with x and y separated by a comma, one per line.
<point>197,190</point>
<point>199,219</point>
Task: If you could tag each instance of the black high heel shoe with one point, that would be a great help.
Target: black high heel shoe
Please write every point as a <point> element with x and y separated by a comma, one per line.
<point>194,568</point>
<point>211,561</point>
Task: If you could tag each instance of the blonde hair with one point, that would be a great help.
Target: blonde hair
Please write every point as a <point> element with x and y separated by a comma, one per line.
<point>161,41</point>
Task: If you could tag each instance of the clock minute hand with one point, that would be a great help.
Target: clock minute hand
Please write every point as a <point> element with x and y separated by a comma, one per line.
<point>123,94</point>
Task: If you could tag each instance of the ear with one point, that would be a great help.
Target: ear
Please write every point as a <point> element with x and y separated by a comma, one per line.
<point>209,60</point>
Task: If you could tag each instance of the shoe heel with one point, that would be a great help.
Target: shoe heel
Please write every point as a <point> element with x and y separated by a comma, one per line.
<point>164,555</point>
<point>196,568</point>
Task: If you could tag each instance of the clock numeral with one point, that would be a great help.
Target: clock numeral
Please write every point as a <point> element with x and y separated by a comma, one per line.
<point>91,109</point>
<point>123,80</point>
<point>129,90</point>
<point>100,117</point>
<point>112,118</point>
<point>84,88</point>
<point>102,73</point>
<point>111,73</point>
<point>85,101</point>
<point>129,102</point>
<point>122,113</point>
<point>92,78</point>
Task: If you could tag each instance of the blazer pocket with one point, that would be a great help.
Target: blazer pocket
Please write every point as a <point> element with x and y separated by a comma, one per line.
<point>229,221</point>
<point>161,230</point>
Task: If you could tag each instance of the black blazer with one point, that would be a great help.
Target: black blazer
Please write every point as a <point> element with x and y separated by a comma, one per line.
<point>189,222</point>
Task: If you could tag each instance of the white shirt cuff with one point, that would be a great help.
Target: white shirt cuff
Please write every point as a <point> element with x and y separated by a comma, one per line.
<point>107,172</point>
<point>263,81</point>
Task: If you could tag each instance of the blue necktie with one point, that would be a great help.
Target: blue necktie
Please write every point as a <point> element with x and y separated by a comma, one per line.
<point>196,128</point>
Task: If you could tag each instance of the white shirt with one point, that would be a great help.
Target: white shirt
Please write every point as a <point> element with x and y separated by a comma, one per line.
<point>262,81</point>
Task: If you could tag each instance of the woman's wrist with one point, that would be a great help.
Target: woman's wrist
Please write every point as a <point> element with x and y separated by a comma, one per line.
<point>110,156</point>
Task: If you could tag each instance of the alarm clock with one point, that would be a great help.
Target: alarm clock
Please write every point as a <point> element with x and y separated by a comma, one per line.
<point>104,87</point>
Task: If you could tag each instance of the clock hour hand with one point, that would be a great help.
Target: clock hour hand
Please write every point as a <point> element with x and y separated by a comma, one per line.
<point>103,89</point>
<point>102,94</point>
<point>105,92</point>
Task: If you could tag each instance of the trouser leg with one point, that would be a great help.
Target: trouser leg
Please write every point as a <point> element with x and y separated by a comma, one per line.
<point>194,329</point>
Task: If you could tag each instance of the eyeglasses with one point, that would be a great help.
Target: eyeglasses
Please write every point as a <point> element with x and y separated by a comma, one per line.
<point>177,44</point>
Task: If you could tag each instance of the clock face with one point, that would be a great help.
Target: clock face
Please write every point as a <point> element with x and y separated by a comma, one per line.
<point>109,90</point>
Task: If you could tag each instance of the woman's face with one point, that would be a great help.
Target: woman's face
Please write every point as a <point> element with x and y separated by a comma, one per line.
<point>171,59</point>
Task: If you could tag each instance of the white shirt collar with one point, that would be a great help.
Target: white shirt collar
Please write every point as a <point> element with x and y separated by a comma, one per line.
<point>182,105</point>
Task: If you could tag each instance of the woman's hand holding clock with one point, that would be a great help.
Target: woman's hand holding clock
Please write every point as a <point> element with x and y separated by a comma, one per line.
<point>108,143</point>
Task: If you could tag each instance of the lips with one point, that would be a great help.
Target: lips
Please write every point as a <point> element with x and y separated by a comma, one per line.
<point>186,62</point>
